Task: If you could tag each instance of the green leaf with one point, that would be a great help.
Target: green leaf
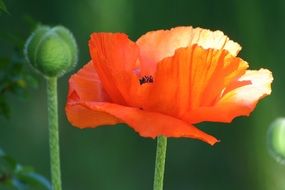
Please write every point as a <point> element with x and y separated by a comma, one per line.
<point>3,7</point>
<point>14,176</point>
<point>34,180</point>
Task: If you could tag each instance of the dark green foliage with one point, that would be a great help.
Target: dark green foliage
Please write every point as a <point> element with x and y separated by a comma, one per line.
<point>3,7</point>
<point>14,176</point>
<point>14,79</point>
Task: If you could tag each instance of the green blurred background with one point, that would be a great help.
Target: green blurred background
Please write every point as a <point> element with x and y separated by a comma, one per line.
<point>116,158</point>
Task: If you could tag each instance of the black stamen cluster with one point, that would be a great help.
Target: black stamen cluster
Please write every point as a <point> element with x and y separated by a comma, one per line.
<point>146,79</point>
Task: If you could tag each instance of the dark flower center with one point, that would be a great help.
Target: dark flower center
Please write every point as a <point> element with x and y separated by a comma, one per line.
<point>146,79</point>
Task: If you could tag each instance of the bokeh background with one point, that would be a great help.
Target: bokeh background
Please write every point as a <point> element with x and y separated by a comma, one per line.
<point>116,158</point>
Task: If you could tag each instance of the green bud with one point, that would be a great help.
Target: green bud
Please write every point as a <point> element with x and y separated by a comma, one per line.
<point>51,51</point>
<point>276,140</point>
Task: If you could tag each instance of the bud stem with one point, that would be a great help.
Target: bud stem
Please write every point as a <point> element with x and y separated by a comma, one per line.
<point>53,133</point>
<point>160,163</point>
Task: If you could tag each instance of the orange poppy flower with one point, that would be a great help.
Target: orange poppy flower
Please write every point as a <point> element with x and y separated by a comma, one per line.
<point>164,83</point>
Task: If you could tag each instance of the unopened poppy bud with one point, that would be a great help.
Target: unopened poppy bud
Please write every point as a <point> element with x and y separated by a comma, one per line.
<point>51,51</point>
<point>276,139</point>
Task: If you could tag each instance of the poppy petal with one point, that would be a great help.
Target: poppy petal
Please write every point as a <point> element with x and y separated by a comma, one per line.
<point>86,85</point>
<point>239,101</point>
<point>194,77</point>
<point>115,60</point>
<point>156,45</point>
<point>147,124</point>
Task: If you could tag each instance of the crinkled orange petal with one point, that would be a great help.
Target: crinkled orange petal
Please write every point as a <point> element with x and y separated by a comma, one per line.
<point>82,117</point>
<point>147,124</point>
<point>239,101</point>
<point>115,60</point>
<point>86,108</point>
<point>156,45</point>
<point>87,85</point>
<point>194,77</point>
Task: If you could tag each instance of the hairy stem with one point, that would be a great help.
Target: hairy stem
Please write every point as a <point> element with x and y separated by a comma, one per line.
<point>159,163</point>
<point>53,133</point>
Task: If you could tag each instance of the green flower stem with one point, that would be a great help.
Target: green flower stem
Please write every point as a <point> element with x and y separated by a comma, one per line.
<point>159,163</point>
<point>53,133</point>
